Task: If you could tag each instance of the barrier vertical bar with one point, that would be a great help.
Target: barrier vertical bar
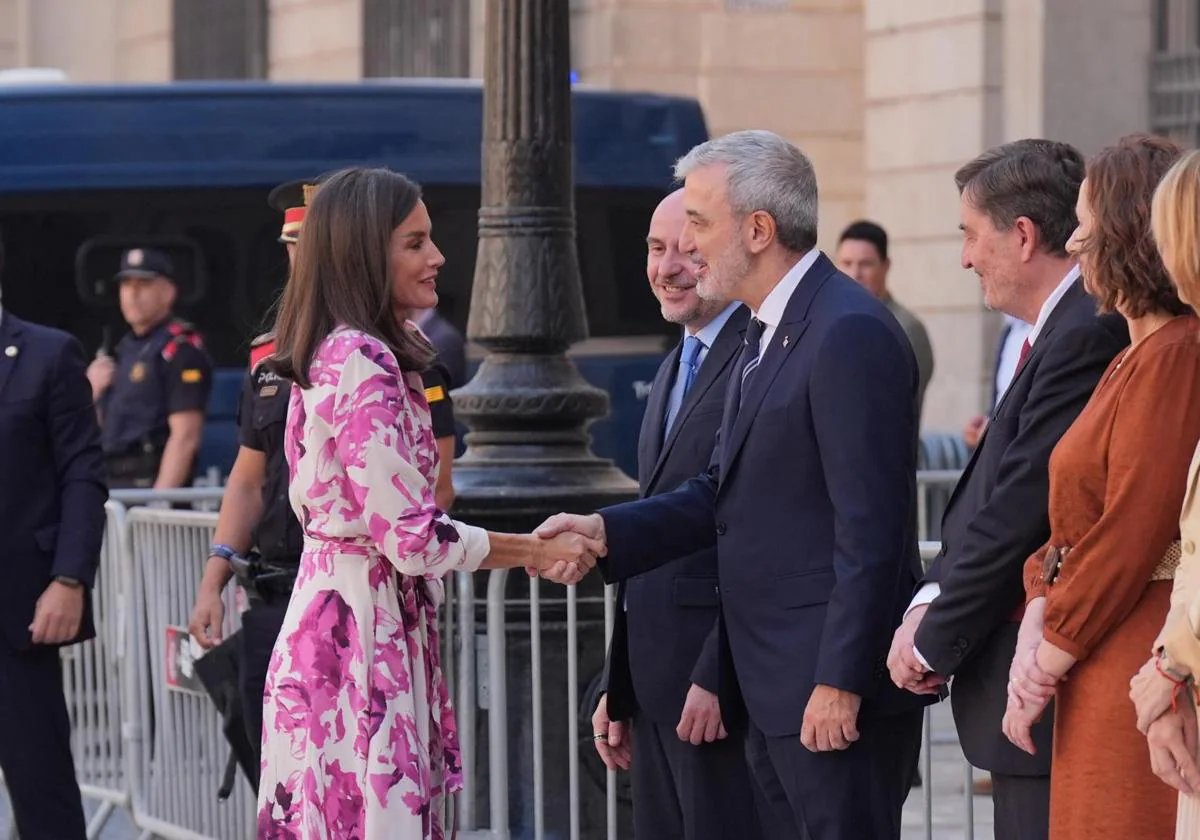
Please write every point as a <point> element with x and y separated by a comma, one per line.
<point>466,695</point>
<point>448,616</point>
<point>535,672</point>
<point>969,798</point>
<point>927,552</point>
<point>573,705</point>
<point>610,776</point>
<point>497,707</point>
<point>927,772</point>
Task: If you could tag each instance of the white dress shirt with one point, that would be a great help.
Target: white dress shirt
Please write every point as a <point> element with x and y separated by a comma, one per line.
<point>1010,354</point>
<point>930,591</point>
<point>775,303</point>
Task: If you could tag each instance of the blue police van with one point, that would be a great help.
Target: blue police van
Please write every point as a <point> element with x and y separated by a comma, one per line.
<point>88,170</point>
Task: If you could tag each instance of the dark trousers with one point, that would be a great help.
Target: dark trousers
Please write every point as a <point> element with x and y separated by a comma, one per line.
<point>260,628</point>
<point>1021,806</point>
<point>852,794</point>
<point>35,746</point>
<point>682,792</point>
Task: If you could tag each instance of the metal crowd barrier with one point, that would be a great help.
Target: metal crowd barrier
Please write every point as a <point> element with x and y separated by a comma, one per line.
<point>499,640</point>
<point>146,738</point>
<point>91,683</point>
<point>180,750</point>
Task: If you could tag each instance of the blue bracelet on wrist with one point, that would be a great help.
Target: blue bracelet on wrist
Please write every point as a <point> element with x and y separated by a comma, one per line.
<point>225,552</point>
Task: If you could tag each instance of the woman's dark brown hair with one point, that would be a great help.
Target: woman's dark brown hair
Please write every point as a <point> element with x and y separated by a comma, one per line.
<point>341,273</point>
<point>1123,264</point>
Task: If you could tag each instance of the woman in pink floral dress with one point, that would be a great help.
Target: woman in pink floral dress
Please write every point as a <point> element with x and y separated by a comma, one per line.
<point>359,740</point>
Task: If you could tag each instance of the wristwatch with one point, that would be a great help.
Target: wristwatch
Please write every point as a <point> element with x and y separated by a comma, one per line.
<point>68,581</point>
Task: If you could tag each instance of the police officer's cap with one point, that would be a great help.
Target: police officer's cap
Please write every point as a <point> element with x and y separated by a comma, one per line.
<point>292,199</point>
<point>146,262</point>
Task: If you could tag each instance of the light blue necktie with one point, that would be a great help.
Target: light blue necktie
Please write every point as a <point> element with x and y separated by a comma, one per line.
<point>687,371</point>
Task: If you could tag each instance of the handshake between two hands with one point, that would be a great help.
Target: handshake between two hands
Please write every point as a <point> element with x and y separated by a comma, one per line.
<point>567,547</point>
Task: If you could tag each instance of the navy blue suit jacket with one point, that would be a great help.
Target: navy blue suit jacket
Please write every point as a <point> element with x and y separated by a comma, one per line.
<point>810,502</point>
<point>52,489</point>
<point>668,638</point>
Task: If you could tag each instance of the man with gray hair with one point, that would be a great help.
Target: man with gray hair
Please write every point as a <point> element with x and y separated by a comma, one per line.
<point>690,780</point>
<point>809,500</point>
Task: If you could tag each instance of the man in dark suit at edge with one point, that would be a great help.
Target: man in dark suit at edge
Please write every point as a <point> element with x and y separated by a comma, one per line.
<point>809,500</point>
<point>1017,212</point>
<point>52,496</point>
<point>690,779</point>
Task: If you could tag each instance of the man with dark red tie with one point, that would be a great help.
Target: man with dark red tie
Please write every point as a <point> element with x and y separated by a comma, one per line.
<point>1017,211</point>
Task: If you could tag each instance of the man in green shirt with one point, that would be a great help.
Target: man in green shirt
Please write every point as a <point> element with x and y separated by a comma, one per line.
<point>863,254</point>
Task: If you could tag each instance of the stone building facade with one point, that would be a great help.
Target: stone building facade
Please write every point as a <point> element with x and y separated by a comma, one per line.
<point>889,97</point>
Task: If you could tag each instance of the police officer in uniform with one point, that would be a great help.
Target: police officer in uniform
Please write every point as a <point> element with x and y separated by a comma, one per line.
<point>151,399</point>
<point>256,511</point>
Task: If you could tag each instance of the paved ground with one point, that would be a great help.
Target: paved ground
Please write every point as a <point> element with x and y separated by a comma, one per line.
<point>949,808</point>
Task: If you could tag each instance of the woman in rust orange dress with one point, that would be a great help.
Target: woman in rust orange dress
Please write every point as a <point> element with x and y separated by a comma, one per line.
<point>1100,589</point>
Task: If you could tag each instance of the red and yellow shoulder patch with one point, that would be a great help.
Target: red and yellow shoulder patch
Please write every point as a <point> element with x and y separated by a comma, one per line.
<point>261,352</point>
<point>181,332</point>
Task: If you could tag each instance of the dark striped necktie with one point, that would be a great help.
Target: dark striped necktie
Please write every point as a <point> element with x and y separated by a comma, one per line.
<point>751,353</point>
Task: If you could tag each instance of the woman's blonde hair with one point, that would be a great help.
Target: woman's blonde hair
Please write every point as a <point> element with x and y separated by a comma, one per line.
<point>1175,222</point>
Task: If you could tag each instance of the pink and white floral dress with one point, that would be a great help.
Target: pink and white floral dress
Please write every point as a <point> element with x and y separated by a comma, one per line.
<point>359,740</point>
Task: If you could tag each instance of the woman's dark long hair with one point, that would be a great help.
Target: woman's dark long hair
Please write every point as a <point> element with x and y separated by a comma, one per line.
<point>341,272</point>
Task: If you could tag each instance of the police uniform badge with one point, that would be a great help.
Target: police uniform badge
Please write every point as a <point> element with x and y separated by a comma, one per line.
<point>138,372</point>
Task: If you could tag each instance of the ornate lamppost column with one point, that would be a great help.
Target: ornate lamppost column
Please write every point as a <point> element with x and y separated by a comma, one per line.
<point>528,454</point>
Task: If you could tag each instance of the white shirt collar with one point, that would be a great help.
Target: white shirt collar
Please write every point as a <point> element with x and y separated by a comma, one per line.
<point>709,332</point>
<point>1052,302</point>
<point>776,301</point>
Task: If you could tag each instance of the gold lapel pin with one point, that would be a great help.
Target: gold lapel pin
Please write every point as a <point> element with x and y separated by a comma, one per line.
<point>11,351</point>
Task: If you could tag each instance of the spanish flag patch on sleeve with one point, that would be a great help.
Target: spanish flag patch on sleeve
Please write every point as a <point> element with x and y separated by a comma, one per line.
<point>192,375</point>
<point>435,394</point>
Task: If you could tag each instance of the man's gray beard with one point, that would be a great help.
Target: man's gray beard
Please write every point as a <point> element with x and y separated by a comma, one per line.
<point>718,289</point>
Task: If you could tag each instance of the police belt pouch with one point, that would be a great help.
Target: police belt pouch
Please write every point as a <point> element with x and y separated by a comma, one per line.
<point>136,462</point>
<point>261,578</point>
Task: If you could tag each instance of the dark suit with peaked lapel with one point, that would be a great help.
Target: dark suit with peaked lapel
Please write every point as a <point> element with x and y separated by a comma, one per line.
<point>666,637</point>
<point>810,502</point>
<point>996,517</point>
<point>52,496</point>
